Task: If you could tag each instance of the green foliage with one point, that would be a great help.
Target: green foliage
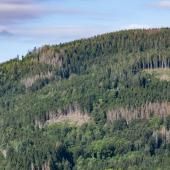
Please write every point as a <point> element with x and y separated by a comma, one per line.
<point>94,76</point>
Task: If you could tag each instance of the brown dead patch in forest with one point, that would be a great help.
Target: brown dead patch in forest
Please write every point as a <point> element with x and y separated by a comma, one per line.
<point>72,115</point>
<point>29,81</point>
<point>48,55</point>
<point>144,112</point>
<point>4,153</point>
<point>152,31</point>
<point>162,74</point>
<point>165,134</point>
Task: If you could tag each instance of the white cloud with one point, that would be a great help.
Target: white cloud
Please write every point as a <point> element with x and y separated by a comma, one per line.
<point>162,4</point>
<point>12,11</point>
<point>5,33</point>
<point>59,31</point>
<point>136,26</point>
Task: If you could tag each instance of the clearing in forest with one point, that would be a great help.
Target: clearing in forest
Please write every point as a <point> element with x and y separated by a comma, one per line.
<point>160,73</point>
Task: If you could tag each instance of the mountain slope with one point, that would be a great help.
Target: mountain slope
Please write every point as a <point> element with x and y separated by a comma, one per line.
<point>88,104</point>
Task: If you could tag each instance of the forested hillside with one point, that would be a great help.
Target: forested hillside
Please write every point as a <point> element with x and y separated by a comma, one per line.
<point>100,103</point>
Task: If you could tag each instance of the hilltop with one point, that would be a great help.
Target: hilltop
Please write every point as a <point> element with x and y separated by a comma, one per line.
<point>97,103</point>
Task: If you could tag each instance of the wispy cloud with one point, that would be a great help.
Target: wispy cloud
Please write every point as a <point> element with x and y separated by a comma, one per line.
<point>162,4</point>
<point>5,33</point>
<point>12,11</point>
<point>57,32</point>
<point>136,26</point>
<point>21,1</point>
<point>15,13</point>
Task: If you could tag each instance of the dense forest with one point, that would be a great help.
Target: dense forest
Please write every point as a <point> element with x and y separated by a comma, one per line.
<point>88,104</point>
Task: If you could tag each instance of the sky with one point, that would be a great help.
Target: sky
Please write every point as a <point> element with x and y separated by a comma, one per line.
<point>25,24</point>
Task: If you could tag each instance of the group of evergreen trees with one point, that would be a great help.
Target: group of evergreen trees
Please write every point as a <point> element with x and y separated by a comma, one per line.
<point>102,75</point>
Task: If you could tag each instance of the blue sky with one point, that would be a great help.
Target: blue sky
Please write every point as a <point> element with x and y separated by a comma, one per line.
<point>25,24</point>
